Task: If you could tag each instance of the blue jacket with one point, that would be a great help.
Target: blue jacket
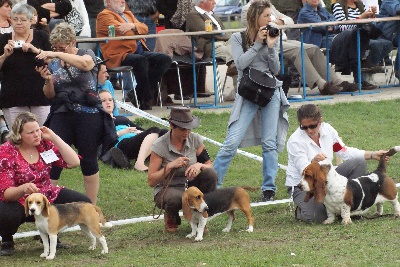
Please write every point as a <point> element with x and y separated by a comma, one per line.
<point>390,29</point>
<point>309,15</point>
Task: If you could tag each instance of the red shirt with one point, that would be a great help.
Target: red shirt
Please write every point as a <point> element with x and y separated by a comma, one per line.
<point>15,170</point>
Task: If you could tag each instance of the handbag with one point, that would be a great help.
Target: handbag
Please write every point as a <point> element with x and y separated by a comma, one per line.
<point>75,19</point>
<point>256,86</point>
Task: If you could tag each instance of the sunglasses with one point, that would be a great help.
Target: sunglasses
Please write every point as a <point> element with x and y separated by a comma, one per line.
<point>312,127</point>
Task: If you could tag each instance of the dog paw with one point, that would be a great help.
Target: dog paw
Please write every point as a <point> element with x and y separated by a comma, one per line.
<point>250,230</point>
<point>328,221</point>
<point>104,252</point>
<point>43,255</point>
<point>49,257</point>
<point>198,239</point>
<point>189,236</point>
<point>346,221</point>
<point>92,247</point>
<point>226,230</point>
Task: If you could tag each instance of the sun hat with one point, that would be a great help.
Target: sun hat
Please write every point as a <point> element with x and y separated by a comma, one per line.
<point>182,117</point>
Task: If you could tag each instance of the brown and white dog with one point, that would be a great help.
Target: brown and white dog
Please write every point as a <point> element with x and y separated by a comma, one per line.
<point>347,197</point>
<point>52,219</point>
<point>198,207</point>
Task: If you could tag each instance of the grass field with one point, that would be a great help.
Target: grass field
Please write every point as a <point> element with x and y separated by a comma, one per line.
<point>278,240</point>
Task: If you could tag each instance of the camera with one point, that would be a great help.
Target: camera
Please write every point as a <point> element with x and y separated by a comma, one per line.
<point>272,31</point>
<point>40,62</point>
<point>18,44</point>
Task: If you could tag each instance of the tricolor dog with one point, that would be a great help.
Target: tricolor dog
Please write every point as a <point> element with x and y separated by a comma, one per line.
<point>198,207</point>
<point>52,219</point>
<point>347,197</point>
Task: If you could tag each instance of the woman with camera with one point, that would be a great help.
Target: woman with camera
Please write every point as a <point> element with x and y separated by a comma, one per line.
<point>250,124</point>
<point>76,113</point>
<point>22,86</point>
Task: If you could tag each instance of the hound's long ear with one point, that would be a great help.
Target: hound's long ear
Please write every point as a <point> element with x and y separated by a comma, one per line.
<point>320,189</point>
<point>46,207</point>
<point>308,196</point>
<point>26,207</point>
<point>187,211</point>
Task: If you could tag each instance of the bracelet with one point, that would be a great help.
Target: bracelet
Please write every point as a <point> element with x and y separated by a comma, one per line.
<point>372,153</point>
<point>46,81</point>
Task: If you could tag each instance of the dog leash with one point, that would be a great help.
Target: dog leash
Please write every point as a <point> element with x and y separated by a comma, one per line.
<point>167,182</point>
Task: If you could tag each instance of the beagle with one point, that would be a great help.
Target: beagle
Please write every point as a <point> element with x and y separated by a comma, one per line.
<point>350,196</point>
<point>198,207</point>
<point>52,219</point>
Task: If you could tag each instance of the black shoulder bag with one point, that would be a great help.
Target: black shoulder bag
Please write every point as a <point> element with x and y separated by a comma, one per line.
<point>256,86</point>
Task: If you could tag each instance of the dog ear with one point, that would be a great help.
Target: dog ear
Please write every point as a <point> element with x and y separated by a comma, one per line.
<point>26,207</point>
<point>187,211</point>
<point>320,190</point>
<point>46,206</point>
<point>308,196</point>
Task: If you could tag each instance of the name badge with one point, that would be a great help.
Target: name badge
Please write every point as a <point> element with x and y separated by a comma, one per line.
<point>49,156</point>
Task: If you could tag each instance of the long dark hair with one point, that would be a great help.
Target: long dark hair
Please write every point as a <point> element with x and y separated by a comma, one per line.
<point>255,10</point>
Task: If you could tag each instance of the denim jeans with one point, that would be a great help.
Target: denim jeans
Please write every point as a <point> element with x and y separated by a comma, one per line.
<point>148,68</point>
<point>151,25</point>
<point>236,132</point>
<point>379,49</point>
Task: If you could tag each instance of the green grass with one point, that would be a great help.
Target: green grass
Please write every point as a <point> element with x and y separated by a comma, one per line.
<point>278,240</point>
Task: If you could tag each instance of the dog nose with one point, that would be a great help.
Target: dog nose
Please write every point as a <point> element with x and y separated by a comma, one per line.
<point>206,208</point>
<point>32,211</point>
<point>299,186</point>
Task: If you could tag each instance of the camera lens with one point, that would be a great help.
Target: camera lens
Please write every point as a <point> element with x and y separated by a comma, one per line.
<point>273,32</point>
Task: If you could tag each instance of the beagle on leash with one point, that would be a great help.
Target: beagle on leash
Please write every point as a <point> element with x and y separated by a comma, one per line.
<point>198,207</point>
<point>52,219</point>
<point>347,197</point>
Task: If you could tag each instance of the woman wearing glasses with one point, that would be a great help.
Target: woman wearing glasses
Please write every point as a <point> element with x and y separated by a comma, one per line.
<point>76,113</point>
<point>22,86</point>
<point>315,140</point>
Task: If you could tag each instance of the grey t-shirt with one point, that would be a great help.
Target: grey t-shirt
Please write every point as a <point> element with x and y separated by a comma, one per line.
<point>163,147</point>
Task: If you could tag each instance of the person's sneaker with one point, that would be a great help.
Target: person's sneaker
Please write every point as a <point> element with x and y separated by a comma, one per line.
<point>170,225</point>
<point>7,248</point>
<point>267,195</point>
<point>119,158</point>
<point>348,87</point>
<point>367,86</point>
<point>3,137</point>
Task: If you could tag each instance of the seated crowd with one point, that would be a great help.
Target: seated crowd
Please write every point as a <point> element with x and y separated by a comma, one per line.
<point>70,101</point>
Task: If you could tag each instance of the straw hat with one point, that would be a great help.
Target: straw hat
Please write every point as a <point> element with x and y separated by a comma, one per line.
<point>182,117</point>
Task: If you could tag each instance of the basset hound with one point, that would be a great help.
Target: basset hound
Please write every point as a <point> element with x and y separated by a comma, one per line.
<point>347,197</point>
<point>52,219</point>
<point>198,207</point>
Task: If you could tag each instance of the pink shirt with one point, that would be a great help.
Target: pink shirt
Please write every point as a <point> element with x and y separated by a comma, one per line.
<point>15,170</point>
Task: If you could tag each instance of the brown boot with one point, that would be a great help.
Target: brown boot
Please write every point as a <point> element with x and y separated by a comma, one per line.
<point>170,225</point>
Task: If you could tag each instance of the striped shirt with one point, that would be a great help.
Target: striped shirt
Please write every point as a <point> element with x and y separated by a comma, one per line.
<point>338,13</point>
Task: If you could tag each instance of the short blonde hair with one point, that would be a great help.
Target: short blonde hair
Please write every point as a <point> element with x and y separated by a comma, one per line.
<point>14,136</point>
<point>62,33</point>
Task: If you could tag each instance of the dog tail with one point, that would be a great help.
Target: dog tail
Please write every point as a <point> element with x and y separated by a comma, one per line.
<point>102,219</point>
<point>382,161</point>
<point>248,188</point>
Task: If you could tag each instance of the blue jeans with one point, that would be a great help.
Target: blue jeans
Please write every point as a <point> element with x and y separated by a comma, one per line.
<point>236,132</point>
<point>148,69</point>
<point>151,25</point>
<point>379,49</point>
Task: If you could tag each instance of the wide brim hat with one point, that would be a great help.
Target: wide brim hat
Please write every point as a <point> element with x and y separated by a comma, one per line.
<point>182,117</point>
